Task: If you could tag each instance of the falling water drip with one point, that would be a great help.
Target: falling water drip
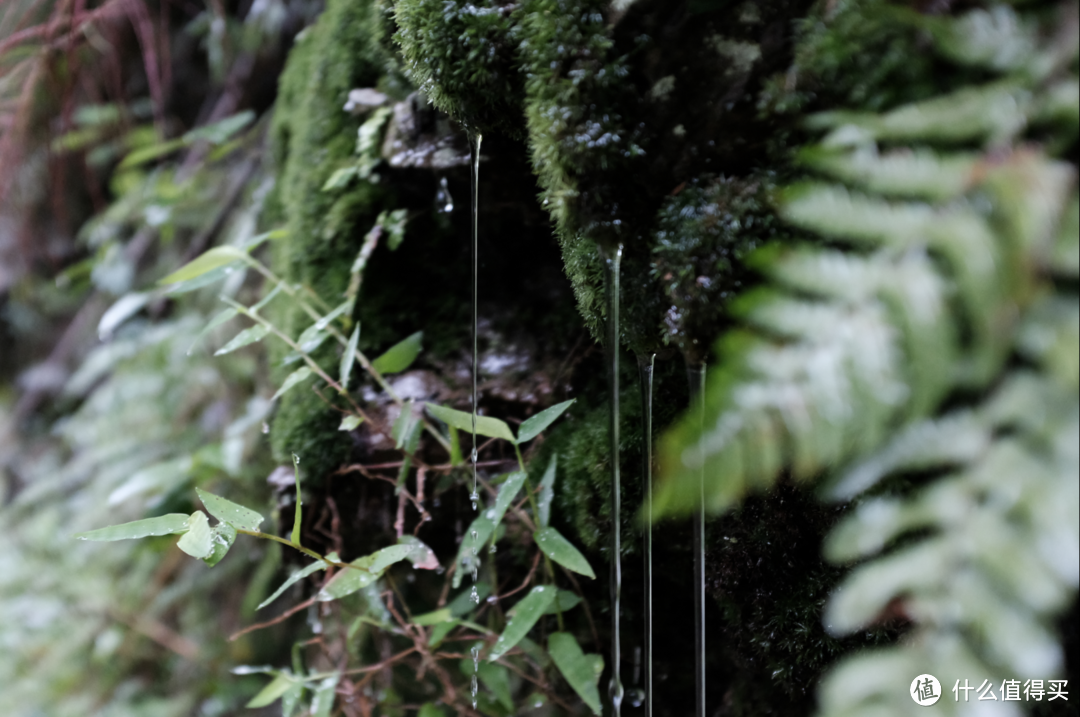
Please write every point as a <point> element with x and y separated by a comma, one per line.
<point>475,651</point>
<point>475,138</point>
<point>646,363</point>
<point>612,259</point>
<point>474,595</point>
<point>695,373</point>
<point>475,689</point>
<point>444,202</point>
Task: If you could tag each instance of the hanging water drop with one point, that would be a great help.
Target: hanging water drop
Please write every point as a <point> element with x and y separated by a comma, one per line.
<point>475,651</point>
<point>492,548</point>
<point>475,498</point>
<point>444,203</point>
<point>474,595</point>
<point>475,689</point>
<point>475,571</point>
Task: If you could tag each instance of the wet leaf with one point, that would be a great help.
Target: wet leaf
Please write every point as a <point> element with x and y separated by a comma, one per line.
<point>292,580</point>
<point>297,516</point>
<point>198,541</point>
<point>291,380</point>
<point>485,425</point>
<point>350,422</point>
<point>348,359</point>
<point>170,524</point>
<point>578,669</point>
<point>223,537</point>
<point>547,491</point>
<point>527,611</point>
<point>269,694</point>
<point>226,511</point>
<point>399,356</point>
<point>532,427</point>
<point>507,492</point>
<point>221,131</point>
<point>565,600</point>
<point>127,306</point>
<point>248,336</point>
<point>422,556</point>
<point>368,569</point>
<point>433,618</point>
<point>483,527</point>
<point>324,696</point>
<point>214,258</point>
<point>291,699</point>
<point>562,551</point>
<point>497,679</point>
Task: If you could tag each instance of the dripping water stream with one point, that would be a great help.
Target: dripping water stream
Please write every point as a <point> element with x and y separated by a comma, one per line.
<point>695,373</point>
<point>475,139</point>
<point>612,259</point>
<point>646,363</point>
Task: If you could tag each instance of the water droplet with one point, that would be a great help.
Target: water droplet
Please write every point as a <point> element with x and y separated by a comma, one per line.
<point>492,549</point>
<point>475,498</point>
<point>474,573</point>
<point>444,203</point>
<point>265,427</point>
<point>474,534</point>
<point>474,596</point>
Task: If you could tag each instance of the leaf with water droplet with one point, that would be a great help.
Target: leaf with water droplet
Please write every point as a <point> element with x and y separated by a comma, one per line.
<point>399,356</point>
<point>484,527</point>
<point>281,683</point>
<point>368,569</point>
<point>422,556</point>
<point>198,541</point>
<point>562,551</point>
<point>248,336</point>
<point>170,524</point>
<point>226,511</point>
<point>531,427</point>
<point>223,536</point>
<point>565,600</point>
<point>577,667</point>
<point>349,422</point>
<point>527,611</point>
<point>291,700</point>
<point>291,380</point>
<point>485,425</point>
<point>497,679</point>
<point>348,359</point>
<point>547,491</point>
<point>214,258</point>
<point>295,577</point>
<point>324,696</point>
<point>299,505</point>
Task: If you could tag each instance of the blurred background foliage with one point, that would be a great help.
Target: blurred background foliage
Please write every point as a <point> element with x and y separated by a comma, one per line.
<point>905,344</point>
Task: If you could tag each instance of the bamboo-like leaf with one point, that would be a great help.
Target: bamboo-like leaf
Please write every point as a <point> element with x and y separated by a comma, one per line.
<point>399,356</point>
<point>532,427</point>
<point>576,668</point>
<point>170,524</point>
<point>485,425</point>
<point>292,580</point>
<point>526,612</point>
<point>562,551</point>
<point>368,569</point>
<point>248,336</point>
<point>484,527</point>
<point>277,687</point>
<point>348,359</point>
<point>229,512</point>
<point>214,258</point>
<point>507,492</point>
<point>350,422</point>
<point>297,376</point>
<point>198,541</point>
<point>223,536</point>
<point>323,701</point>
<point>497,679</point>
<point>297,515</point>
<point>547,491</point>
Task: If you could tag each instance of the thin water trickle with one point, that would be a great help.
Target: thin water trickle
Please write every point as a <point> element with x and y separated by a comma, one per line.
<point>612,260</point>
<point>474,595</point>
<point>695,373</point>
<point>475,138</point>
<point>444,202</point>
<point>646,364</point>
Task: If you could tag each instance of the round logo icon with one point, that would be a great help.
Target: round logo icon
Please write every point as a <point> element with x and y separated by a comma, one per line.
<point>925,690</point>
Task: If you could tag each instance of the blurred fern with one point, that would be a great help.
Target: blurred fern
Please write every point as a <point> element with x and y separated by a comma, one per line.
<point>934,337</point>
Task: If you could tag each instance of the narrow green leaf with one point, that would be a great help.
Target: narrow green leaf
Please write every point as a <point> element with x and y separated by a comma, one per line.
<point>565,600</point>
<point>299,502</point>
<point>291,380</point>
<point>212,259</point>
<point>485,425</point>
<point>222,536</point>
<point>348,359</point>
<point>169,524</point>
<point>497,679</point>
<point>462,604</point>
<point>323,701</point>
<point>269,694</point>
<point>562,551</point>
<point>399,356</point>
<point>532,427</point>
<point>404,428</point>
<point>421,555</point>
<point>226,511</point>
<point>198,541</point>
<point>428,709</point>
<point>339,179</point>
<point>221,131</point>
<point>349,422</point>
<point>576,667</point>
<point>149,153</point>
<point>125,307</point>
<point>527,611</point>
<point>433,618</point>
<point>368,569</point>
<point>547,491</point>
<point>292,580</point>
<point>455,447</point>
<point>291,699</point>
<point>440,631</point>
<point>483,527</point>
<point>211,277</point>
<point>219,319</point>
<point>248,336</point>
<point>507,492</point>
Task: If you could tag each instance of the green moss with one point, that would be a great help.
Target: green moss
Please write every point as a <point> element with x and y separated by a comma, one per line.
<point>461,55</point>
<point>311,137</point>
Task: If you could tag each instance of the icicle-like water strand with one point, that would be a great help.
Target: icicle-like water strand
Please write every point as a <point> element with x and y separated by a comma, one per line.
<point>695,373</point>
<point>612,258</point>
<point>646,363</point>
<point>474,145</point>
